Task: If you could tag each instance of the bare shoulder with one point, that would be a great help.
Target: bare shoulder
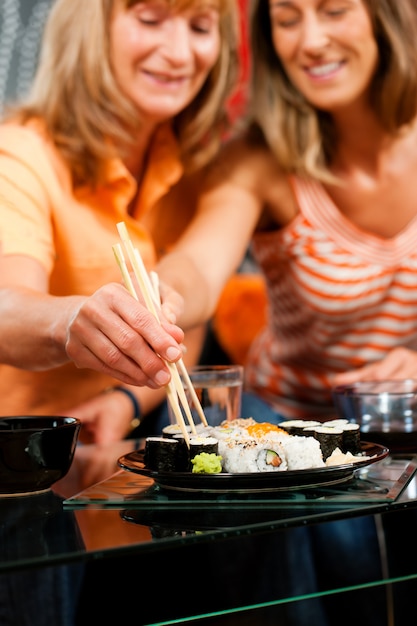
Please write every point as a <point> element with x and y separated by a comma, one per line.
<point>250,166</point>
<point>243,162</point>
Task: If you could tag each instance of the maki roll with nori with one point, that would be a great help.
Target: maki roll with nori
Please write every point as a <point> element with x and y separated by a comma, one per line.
<point>329,438</point>
<point>161,454</point>
<point>209,445</point>
<point>309,431</point>
<point>337,423</point>
<point>351,438</point>
<point>183,454</point>
<point>296,427</point>
<point>174,429</point>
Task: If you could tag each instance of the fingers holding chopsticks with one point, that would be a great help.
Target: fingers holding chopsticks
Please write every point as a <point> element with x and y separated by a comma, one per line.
<point>149,290</point>
<point>117,335</point>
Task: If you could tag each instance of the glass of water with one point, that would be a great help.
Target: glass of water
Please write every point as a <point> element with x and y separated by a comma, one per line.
<point>219,390</point>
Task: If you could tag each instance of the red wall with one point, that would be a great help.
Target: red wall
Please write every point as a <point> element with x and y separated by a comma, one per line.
<point>238,101</point>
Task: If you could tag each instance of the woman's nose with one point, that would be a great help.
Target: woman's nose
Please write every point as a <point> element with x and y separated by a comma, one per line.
<point>315,34</point>
<point>177,42</point>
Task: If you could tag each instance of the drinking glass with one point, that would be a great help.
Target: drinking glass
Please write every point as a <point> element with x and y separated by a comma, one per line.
<point>219,390</point>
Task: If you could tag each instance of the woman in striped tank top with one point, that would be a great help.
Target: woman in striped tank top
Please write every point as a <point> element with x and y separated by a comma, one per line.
<point>326,177</point>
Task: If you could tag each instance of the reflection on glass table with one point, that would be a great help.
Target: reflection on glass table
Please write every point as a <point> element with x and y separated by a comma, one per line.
<point>52,530</point>
<point>123,520</point>
<point>99,507</point>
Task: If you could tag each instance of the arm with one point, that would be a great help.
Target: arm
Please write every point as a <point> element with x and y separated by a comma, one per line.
<point>398,364</point>
<point>109,331</point>
<point>214,244</point>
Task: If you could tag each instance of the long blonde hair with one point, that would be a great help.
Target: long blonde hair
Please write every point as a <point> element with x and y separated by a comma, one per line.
<point>302,137</point>
<point>89,119</point>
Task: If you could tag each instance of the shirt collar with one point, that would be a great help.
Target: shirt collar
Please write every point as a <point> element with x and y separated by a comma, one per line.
<point>163,170</point>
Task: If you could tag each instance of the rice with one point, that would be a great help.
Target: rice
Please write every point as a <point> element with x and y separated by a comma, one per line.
<point>249,455</point>
<point>249,446</point>
<point>302,452</point>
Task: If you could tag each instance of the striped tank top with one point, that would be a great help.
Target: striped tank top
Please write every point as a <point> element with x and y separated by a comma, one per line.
<point>339,298</point>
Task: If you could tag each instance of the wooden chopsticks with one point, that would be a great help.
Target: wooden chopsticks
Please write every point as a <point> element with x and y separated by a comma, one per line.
<point>150,292</point>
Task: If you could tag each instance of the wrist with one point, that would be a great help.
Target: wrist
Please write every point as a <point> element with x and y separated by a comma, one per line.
<point>136,414</point>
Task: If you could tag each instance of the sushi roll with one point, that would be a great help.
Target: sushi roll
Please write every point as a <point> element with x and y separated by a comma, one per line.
<point>351,438</point>
<point>269,459</point>
<point>296,427</point>
<point>209,445</point>
<point>182,454</point>
<point>251,456</point>
<point>329,438</point>
<point>309,431</point>
<point>174,429</point>
<point>227,432</point>
<point>161,454</point>
<point>302,452</point>
<point>202,430</point>
<point>338,423</point>
<point>265,430</point>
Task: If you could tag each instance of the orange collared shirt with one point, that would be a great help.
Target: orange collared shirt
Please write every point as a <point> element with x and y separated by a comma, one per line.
<point>71,233</point>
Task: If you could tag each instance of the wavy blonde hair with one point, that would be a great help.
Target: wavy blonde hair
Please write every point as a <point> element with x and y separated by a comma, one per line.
<point>299,135</point>
<point>88,117</point>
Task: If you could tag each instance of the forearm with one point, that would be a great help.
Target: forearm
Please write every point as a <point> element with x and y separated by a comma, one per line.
<point>179,272</point>
<point>33,328</point>
<point>210,250</point>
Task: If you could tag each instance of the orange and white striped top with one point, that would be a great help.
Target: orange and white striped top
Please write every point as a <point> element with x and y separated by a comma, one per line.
<point>339,298</point>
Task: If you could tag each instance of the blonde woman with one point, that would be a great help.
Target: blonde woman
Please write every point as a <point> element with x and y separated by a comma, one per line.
<point>128,104</point>
<point>324,184</point>
<point>325,178</point>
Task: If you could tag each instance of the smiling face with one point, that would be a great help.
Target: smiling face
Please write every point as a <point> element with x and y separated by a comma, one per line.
<point>161,55</point>
<point>327,48</point>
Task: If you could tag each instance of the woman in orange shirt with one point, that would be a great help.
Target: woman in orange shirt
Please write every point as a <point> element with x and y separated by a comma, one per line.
<point>324,180</point>
<point>127,106</point>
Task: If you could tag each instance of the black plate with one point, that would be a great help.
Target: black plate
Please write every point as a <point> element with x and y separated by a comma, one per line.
<point>256,481</point>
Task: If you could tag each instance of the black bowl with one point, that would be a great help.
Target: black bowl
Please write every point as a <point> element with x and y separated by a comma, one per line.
<point>35,451</point>
<point>386,411</point>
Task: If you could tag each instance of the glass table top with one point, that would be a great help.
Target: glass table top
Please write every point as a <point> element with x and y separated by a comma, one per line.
<point>100,509</point>
<point>380,482</point>
<point>100,512</point>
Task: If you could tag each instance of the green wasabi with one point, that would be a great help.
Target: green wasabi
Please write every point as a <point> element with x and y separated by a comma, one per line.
<point>205,463</point>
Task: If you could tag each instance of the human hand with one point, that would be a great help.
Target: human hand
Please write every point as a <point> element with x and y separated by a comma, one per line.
<point>399,363</point>
<point>105,418</point>
<point>113,333</point>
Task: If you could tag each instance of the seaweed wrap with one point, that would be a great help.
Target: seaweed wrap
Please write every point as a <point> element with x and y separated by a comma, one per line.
<point>337,423</point>
<point>329,438</point>
<point>209,445</point>
<point>183,454</point>
<point>351,439</point>
<point>297,427</point>
<point>161,454</point>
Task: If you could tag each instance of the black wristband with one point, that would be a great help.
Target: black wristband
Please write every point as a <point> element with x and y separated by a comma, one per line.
<point>136,406</point>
